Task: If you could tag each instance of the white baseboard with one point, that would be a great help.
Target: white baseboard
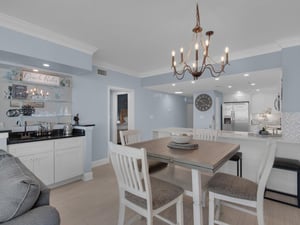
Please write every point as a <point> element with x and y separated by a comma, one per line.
<point>100,162</point>
<point>87,176</point>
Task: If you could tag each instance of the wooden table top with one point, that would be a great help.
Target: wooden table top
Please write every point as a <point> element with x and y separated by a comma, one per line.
<point>209,156</point>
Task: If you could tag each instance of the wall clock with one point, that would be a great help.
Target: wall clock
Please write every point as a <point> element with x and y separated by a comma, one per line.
<point>203,102</point>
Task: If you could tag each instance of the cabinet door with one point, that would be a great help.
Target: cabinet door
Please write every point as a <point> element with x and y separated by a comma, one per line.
<point>37,157</point>
<point>28,162</point>
<point>68,159</point>
<point>44,167</point>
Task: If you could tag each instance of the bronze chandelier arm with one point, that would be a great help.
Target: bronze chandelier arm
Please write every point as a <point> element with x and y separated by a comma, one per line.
<point>212,70</point>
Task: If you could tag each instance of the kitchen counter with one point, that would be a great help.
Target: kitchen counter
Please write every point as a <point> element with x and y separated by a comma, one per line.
<point>248,135</point>
<point>19,137</point>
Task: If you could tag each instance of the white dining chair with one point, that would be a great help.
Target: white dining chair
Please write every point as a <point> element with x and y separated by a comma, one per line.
<point>240,191</point>
<point>143,194</point>
<point>130,136</point>
<point>205,134</point>
<point>133,136</point>
<point>211,135</point>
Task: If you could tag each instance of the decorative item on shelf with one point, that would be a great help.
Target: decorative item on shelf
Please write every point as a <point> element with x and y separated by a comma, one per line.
<point>65,82</point>
<point>14,75</point>
<point>40,78</point>
<point>28,110</point>
<point>36,93</point>
<point>13,112</point>
<point>198,68</point>
<point>8,93</point>
<point>76,119</point>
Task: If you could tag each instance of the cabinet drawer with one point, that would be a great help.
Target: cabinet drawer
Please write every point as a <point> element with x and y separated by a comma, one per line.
<point>68,143</point>
<point>31,148</point>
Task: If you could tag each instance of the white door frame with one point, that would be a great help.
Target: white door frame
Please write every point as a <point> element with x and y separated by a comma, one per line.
<point>112,106</point>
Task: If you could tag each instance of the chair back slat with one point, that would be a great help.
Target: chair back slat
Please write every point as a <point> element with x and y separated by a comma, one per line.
<point>205,134</point>
<point>130,136</point>
<point>125,162</point>
<point>265,169</point>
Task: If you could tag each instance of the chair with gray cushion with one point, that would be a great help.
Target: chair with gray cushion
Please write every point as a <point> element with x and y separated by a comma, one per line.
<point>147,196</point>
<point>24,199</point>
<point>240,191</point>
<point>133,136</point>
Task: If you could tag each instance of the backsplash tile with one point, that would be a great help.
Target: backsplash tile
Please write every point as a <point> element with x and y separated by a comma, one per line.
<point>291,126</point>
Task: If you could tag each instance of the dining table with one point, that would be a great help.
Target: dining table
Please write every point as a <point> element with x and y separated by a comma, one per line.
<point>205,157</point>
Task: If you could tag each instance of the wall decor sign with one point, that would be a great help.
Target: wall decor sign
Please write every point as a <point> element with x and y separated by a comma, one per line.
<point>40,78</point>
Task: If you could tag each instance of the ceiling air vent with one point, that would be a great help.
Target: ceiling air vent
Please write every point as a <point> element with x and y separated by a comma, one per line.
<point>101,72</point>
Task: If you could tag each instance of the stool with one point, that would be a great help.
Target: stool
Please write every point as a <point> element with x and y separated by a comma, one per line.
<point>291,165</point>
<point>238,159</point>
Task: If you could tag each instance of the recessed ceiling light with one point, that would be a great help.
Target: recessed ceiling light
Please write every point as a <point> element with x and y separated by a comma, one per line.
<point>173,85</point>
<point>193,82</point>
<point>35,70</point>
<point>229,86</point>
<point>246,75</point>
<point>178,92</point>
<point>252,84</point>
<point>46,65</point>
<point>217,78</point>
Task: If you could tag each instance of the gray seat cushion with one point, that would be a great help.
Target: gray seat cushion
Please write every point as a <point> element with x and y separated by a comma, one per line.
<point>18,191</point>
<point>233,186</point>
<point>162,193</point>
<point>153,165</point>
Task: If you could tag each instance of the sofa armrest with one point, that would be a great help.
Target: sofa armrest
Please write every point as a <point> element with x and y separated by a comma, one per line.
<point>44,215</point>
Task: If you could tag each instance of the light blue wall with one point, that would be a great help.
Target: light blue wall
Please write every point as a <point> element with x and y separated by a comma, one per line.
<point>291,79</point>
<point>15,45</point>
<point>152,109</point>
<point>158,110</point>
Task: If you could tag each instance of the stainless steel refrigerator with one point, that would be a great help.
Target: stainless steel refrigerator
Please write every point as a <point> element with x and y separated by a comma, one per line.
<point>235,116</point>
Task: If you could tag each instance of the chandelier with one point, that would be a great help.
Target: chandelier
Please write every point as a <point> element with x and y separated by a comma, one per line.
<point>198,68</point>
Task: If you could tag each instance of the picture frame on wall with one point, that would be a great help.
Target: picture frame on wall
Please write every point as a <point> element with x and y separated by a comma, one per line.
<point>19,91</point>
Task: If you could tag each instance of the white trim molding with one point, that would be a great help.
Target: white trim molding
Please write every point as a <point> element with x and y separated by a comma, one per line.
<point>27,28</point>
<point>100,162</point>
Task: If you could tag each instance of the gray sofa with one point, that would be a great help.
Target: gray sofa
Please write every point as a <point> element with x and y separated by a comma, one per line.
<point>24,199</point>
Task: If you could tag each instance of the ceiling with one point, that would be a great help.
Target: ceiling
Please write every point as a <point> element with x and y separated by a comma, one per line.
<point>136,37</point>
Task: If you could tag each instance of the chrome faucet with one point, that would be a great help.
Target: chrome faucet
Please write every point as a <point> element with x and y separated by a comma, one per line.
<point>25,129</point>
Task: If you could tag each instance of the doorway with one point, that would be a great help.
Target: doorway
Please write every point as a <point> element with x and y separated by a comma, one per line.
<point>121,112</point>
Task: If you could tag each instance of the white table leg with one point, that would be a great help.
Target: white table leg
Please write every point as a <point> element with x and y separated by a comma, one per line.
<point>197,197</point>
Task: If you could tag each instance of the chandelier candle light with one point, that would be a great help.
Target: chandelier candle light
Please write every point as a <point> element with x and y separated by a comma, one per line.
<point>198,68</point>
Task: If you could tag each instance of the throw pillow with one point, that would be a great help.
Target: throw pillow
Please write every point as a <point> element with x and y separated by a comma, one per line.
<point>18,191</point>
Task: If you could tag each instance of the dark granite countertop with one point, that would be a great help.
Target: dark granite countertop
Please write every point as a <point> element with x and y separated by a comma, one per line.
<point>32,136</point>
<point>5,131</point>
<point>83,125</point>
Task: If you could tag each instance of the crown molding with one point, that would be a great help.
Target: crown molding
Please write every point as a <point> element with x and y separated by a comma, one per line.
<point>22,26</point>
<point>291,42</point>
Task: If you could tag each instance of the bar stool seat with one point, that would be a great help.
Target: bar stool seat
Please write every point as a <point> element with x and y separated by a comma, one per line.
<point>239,165</point>
<point>291,165</point>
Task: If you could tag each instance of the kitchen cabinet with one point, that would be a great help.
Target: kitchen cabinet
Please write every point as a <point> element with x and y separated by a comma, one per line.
<point>52,161</point>
<point>38,157</point>
<point>68,158</point>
